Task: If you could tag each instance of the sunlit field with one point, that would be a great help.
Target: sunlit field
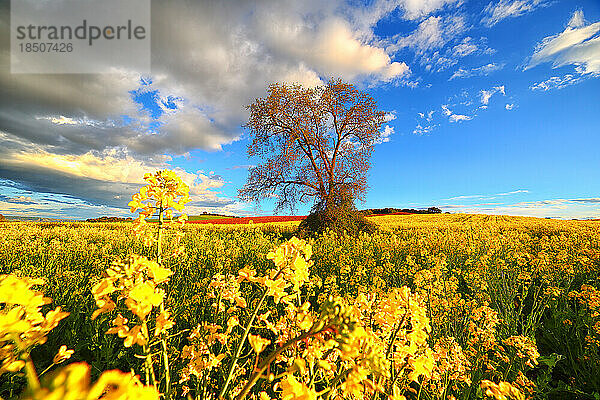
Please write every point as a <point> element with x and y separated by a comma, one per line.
<point>430,307</point>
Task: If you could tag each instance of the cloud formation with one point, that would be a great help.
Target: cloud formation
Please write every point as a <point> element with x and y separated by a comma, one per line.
<point>578,45</point>
<point>550,208</point>
<point>484,70</point>
<point>485,95</point>
<point>455,117</point>
<point>91,137</point>
<point>500,10</point>
<point>558,82</point>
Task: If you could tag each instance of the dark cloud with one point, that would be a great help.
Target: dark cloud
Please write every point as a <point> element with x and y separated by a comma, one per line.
<point>591,200</point>
<point>17,199</point>
<point>94,191</point>
<point>209,60</point>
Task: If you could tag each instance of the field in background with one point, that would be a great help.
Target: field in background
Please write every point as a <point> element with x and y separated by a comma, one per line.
<point>540,276</point>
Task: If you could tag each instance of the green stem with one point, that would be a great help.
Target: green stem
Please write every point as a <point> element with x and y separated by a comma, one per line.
<point>165,357</point>
<point>163,341</point>
<point>47,369</point>
<point>327,393</point>
<point>150,377</point>
<point>240,345</point>
<point>160,233</point>
<point>238,350</point>
<point>32,377</point>
<point>267,361</point>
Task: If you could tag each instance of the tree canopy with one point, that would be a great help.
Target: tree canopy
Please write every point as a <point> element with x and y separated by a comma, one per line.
<point>315,143</point>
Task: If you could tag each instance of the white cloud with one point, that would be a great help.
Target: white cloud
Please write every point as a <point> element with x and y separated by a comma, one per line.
<point>411,9</point>
<point>592,200</point>
<point>434,42</point>
<point>578,45</point>
<point>390,116</point>
<point>415,9</point>
<point>558,82</point>
<point>63,120</point>
<point>116,174</point>
<point>432,33</point>
<point>513,192</point>
<point>485,95</point>
<point>487,196</point>
<point>455,117</point>
<point>550,208</point>
<point>427,116</point>
<point>366,16</point>
<point>331,48</point>
<point>460,117</point>
<point>422,130</point>
<point>500,10</point>
<point>385,135</point>
<point>577,20</point>
<point>464,48</point>
<point>484,70</point>
<point>509,106</point>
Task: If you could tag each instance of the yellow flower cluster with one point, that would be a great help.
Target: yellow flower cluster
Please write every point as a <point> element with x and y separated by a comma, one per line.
<point>162,191</point>
<point>501,391</point>
<point>22,323</point>
<point>73,382</point>
<point>341,323</point>
<point>165,193</point>
<point>23,326</point>
<point>136,281</point>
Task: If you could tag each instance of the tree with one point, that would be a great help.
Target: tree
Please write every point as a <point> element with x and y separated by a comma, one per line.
<point>315,143</point>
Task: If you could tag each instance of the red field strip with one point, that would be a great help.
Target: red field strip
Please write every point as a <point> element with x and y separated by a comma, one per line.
<point>262,220</point>
<point>245,220</point>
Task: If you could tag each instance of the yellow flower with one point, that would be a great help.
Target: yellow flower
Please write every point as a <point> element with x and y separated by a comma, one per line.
<point>232,322</point>
<point>258,343</point>
<point>163,323</point>
<point>143,297</point>
<point>276,288</point>
<point>115,384</point>
<point>104,305</point>
<point>501,391</point>
<point>120,326</point>
<point>353,386</point>
<point>158,273</point>
<point>62,355</point>
<point>103,288</point>
<point>73,382</point>
<point>423,365</point>
<point>304,318</point>
<point>291,389</point>
<point>263,396</point>
<point>11,365</point>
<point>17,290</point>
<point>52,319</point>
<point>70,382</point>
<point>248,274</point>
<point>134,336</point>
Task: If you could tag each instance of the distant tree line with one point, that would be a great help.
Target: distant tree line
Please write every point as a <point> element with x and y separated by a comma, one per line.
<point>109,219</point>
<point>389,210</point>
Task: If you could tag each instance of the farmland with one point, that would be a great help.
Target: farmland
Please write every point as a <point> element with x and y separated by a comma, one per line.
<point>500,304</point>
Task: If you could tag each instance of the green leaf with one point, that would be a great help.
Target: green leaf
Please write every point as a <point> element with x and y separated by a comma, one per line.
<point>550,360</point>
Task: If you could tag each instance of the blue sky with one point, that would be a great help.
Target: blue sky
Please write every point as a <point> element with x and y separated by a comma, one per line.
<point>493,106</point>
